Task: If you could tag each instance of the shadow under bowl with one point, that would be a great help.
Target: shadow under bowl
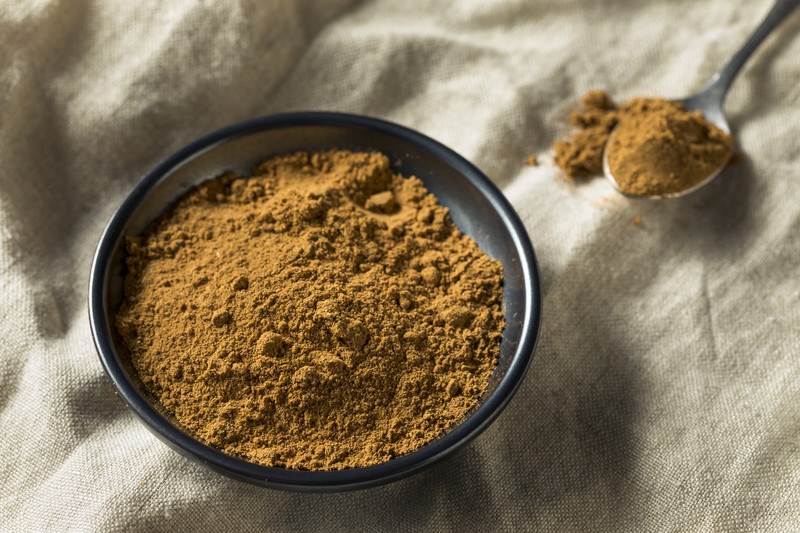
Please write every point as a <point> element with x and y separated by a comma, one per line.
<point>477,207</point>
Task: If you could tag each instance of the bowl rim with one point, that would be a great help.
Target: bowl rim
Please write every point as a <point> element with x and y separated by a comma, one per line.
<point>306,480</point>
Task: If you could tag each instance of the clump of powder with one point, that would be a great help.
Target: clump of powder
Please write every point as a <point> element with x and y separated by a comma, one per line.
<point>661,148</point>
<point>321,313</point>
<point>658,147</point>
<point>582,155</point>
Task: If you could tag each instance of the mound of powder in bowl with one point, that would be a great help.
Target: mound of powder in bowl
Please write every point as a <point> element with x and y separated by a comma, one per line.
<point>658,147</point>
<point>322,313</point>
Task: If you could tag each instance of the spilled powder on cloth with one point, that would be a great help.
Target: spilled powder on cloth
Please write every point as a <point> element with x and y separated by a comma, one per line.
<point>323,313</point>
<point>582,155</point>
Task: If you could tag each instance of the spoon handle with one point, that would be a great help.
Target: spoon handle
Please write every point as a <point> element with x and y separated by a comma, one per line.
<point>720,82</point>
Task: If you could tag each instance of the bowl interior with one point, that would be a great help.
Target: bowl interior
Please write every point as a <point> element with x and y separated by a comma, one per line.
<point>475,205</point>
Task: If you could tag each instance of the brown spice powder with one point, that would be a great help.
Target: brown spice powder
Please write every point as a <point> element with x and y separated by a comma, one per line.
<point>658,147</point>
<point>323,313</point>
<point>582,155</point>
<point>661,148</point>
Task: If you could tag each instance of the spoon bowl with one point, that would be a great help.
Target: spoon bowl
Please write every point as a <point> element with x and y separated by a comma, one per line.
<point>710,99</point>
<point>711,108</point>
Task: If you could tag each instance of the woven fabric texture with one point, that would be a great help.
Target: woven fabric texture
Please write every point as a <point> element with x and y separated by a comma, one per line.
<point>665,390</point>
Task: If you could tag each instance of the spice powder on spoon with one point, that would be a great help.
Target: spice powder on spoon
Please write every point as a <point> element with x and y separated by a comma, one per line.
<point>658,148</point>
<point>322,313</point>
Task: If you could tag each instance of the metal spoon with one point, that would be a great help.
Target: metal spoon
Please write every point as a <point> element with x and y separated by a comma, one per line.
<point>710,98</point>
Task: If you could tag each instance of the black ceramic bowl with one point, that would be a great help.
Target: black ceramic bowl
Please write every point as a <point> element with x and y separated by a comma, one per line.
<point>476,205</point>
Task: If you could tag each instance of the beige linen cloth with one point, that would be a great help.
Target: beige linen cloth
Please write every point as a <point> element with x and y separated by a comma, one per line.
<point>665,390</point>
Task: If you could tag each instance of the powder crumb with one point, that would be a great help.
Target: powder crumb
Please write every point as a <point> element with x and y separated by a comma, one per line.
<point>220,318</point>
<point>382,202</point>
<point>431,275</point>
<point>532,161</point>
<point>241,283</point>
<point>637,220</point>
<point>597,100</point>
<point>453,388</point>
<point>270,344</point>
<point>357,324</point>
